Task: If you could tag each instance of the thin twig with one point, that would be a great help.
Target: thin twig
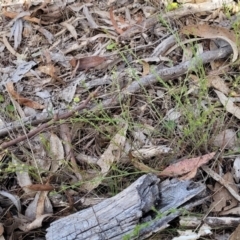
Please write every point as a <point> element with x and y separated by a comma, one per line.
<point>56,118</point>
<point>165,74</point>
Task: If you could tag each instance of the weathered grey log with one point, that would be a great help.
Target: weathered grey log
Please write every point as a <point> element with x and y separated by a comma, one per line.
<point>118,216</point>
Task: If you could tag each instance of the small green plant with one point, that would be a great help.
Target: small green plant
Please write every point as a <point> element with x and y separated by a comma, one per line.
<point>2,98</point>
<point>112,46</point>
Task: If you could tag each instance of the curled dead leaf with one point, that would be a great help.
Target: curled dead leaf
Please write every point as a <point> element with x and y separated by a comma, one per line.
<point>22,100</point>
<point>114,23</point>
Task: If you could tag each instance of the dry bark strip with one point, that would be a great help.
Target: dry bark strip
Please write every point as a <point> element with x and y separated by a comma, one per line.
<point>118,216</point>
<point>165,74</point>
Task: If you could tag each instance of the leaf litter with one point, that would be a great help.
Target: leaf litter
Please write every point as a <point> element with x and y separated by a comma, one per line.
<point>118,90</point>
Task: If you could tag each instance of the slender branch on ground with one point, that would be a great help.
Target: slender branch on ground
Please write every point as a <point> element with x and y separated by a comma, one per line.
<point>165,74</point>
<point>44,126</point>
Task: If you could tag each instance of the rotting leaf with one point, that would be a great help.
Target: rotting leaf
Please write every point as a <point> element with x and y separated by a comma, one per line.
<point>213,32</point>
<point>86,63</point>
<point>186,166</point>
<point>21,100</point>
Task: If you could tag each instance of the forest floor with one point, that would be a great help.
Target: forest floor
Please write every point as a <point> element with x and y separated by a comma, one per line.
<point>94,94</point>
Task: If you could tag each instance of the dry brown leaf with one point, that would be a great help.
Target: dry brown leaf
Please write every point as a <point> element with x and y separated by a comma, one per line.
<point>38,206</point>
<point>1,229</point>
<point>226,139</point>
<point>218,83</point>
<point>40,187</point>
<point>235,235</point>
<point>13,198</point>
<point>113,152</point>
<point>70,28</point>
<point>27,18</point>
<point>23,177</point>
<point>222,199</point>
<point>189,175</point>
<point>51,71</point>
<point>114,23</point>
<point>41,8</point>
<point>111,155</point>
<point>35,224</point>
<point>16,32</point>
<point>213,32</point>
<point>186,166</point>
<point>142,167</point>
<point>86,63</point>
<point>41,203</point>
<point>228,104</point>
<point>233,211</point>
<point>9,47</point>
<point>224,183</point>
<point>146,68</point>
<point>22,100</point>
<point>57,152</point>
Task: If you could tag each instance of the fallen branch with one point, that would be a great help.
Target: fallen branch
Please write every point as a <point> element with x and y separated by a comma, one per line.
<point>165,74</point>
<point>118,217</point>
<point>56,118</point>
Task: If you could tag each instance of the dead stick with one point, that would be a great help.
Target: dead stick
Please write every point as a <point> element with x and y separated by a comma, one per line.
<point>56,118</point>
<point>165,74</point>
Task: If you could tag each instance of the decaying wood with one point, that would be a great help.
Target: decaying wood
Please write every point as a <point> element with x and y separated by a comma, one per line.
<point>118,216</point>
<point>165,74</point>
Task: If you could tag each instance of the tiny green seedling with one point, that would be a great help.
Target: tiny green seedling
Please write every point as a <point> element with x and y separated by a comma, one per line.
<point>111,46</point>
<point>2,98</point>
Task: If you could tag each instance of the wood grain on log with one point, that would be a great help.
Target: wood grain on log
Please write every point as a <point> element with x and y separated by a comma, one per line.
<point>118,216</point>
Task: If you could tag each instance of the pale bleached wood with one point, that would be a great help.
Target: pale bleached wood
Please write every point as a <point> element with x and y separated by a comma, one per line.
<point>118,216</point>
